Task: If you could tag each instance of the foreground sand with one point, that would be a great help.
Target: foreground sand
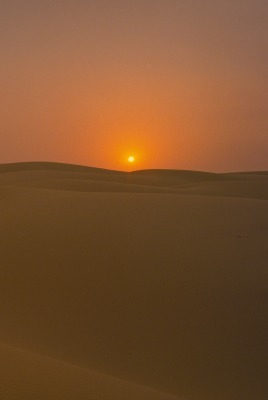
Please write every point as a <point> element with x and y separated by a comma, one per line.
<point>26,375</point>
<point>132,286</point>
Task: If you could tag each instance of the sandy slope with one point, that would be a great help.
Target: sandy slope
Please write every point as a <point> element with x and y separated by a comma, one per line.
<point>161,285</point>
<point>25,375</point>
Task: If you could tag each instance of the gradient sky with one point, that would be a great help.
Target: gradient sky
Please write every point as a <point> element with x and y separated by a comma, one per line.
<point>178,84</point>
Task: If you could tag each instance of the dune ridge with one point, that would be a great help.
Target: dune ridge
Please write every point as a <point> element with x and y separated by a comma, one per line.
<point>26,375</point>
<point>57,176</point>
<point>152,278</point>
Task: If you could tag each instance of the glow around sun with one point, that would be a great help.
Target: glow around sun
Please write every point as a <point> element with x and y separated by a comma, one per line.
<point>131,159</point>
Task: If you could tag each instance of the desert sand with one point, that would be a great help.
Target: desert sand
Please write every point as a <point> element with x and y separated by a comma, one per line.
<point>144,285</point>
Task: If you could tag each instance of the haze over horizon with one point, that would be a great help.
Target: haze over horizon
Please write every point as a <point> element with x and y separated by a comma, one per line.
<point>179,85</point>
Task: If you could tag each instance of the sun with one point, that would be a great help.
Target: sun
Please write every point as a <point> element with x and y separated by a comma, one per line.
<point>131,159</point>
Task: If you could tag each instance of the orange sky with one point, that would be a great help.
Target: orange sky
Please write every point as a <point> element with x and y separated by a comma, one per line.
<point>177,84</point>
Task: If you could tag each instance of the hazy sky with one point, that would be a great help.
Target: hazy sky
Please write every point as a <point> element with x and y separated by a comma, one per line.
<point>179,84</point>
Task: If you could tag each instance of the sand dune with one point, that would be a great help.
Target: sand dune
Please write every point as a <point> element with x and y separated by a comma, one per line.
<point>25,375</point>
<point>32,172</point>
<point>154,278</point>
<point>255,189</point>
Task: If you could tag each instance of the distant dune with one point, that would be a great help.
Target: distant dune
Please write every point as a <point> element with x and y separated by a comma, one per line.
<point>143,285</point>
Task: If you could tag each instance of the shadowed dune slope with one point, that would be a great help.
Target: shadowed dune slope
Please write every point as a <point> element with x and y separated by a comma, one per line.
<point>247,188</point>
<point>165,290</point>
<point>37,174</point>
<point>52,166</point>
<point>87,179</point>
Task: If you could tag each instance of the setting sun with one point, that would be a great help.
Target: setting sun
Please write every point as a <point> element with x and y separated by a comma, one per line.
<point>131,159</point>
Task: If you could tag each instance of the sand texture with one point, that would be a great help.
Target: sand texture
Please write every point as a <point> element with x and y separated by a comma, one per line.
<point>150,285</point>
